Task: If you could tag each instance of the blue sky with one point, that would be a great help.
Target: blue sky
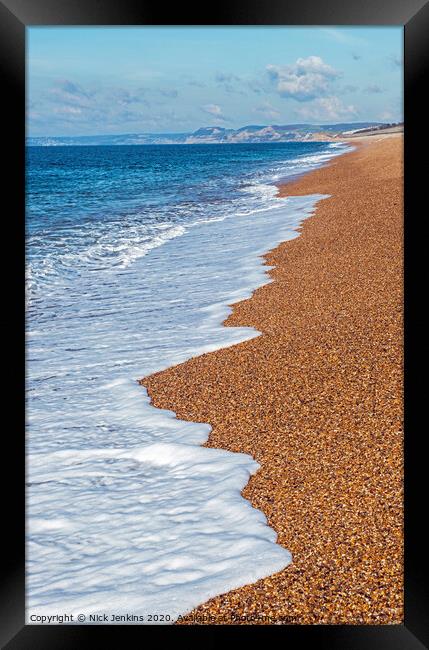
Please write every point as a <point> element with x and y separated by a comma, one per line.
<point>85,80</point>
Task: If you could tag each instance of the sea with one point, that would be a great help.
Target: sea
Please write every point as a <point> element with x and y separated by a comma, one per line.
<point>134,255</point>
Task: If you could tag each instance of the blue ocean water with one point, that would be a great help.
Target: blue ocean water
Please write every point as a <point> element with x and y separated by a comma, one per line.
<point>108,205</point>
<point>133,255</point>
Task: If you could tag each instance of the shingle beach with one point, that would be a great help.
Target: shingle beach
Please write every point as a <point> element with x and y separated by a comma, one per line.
<point>317,401</point>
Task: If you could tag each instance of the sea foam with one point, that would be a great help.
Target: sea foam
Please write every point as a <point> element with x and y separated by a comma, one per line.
<point>126,512</point>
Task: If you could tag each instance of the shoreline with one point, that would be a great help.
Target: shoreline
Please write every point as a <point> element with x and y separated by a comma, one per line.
<point>327,365</point>
<point>188,496</point>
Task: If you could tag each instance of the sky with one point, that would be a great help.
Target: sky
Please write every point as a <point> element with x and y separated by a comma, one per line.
<point>112,80</point>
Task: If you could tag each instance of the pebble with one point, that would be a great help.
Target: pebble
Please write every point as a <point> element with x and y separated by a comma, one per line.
<point>317,401</point>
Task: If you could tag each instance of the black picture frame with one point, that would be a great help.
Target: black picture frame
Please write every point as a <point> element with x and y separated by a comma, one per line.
<point>15,16</point>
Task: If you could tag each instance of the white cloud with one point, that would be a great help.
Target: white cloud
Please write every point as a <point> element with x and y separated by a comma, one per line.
<point>68,92</point>
<point>229,82</point>
<point>124,97</point>
<point>267,110</point>
<point>303,80</point>
<point>327,108</point>
<point>68,110</point>
<point>212,109</point>
<point>103,107</point>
